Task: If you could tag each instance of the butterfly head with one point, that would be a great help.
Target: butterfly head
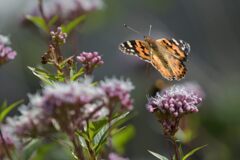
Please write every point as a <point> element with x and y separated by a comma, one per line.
<point>151,41</point>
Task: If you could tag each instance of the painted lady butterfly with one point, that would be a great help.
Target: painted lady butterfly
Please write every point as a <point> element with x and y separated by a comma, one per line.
<point>166,55</point>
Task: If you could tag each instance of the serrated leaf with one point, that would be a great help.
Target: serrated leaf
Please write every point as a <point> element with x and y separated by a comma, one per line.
<point>114,123</point>
<point>98,125</point>
<point>30,148</point>
<point>158,155</point>
<point>101,136</point>
<point>82,142</point>
<point>73,24</point>
<point>193,151</point>
<point>8,109</point>
<point>39,22</point>
<point>41,74</point>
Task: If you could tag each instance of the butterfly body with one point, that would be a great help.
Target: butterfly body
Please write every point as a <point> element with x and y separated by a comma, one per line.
<point>167,56</point>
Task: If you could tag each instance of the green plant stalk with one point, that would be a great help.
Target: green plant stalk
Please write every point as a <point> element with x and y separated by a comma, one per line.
<point>175,146</point>
<point>40,6</point>
<point>5,146</point>
<point>66,122</point>
<point>77,148</point>
<point>91,151</point>
<point>109,123</point>
<point>56,46</point>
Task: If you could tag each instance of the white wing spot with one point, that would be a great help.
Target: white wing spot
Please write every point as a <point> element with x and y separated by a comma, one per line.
<point>132,50</point>
<point>129,44</point>
<point>175,41</point>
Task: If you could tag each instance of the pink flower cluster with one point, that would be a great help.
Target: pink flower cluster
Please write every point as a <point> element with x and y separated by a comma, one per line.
<point>62,104</point>
<point>6,52</point>
<point>173,103</point>
<point>176,100</point>
<point>30,123</point>
<point>119,91</point>
<point>90,60</point>
<point>6,142</point>
<point>114,156</point>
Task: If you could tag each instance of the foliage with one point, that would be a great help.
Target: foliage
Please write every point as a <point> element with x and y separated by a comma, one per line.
<point>92,139</point>
<point>157,155</point>
<point>6,109</point>
<point>89,122</point>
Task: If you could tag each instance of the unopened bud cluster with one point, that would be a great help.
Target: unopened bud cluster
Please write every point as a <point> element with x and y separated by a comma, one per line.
<point>58,36</point>
<point>90,60</point>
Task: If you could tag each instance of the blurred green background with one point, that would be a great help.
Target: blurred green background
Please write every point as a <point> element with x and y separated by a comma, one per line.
<point>211,28</point>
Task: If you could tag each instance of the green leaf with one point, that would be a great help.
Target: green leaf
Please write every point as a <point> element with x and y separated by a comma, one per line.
<point>39,22</point>
<point>4,105</point>
<point>73,24</point>
<point>180,150</point>
<point>121,137</point>
<point>63,63</point>
<point>8,109</point>
<point>118,120</point>
<point>40,149</point>
<point>101,136</point>
<point>30,148</point>
<point>42,75</point>
<point>193,151</point>
<point>59,77</point>
<point>158,155</point>
<point>52,21</point>
<point>98,125</point>
<point>78,74</point>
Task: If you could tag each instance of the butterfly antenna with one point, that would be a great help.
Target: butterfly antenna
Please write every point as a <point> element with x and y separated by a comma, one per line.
<point>150,29</point>
<point>130,28</point>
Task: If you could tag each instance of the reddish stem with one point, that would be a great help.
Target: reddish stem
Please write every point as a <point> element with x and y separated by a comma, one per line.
<point>5,145</point>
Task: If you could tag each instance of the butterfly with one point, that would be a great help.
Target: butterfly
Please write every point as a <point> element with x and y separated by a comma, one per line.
<point>166,55</point>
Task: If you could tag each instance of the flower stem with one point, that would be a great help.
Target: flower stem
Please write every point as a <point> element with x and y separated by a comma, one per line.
<point>90,149</point>
<point>77,148</point>
<point>175,146</point>
<point>5,145</point>
<point>110,116</point>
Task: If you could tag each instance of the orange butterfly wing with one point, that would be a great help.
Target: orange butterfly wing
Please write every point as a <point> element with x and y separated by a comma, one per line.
<point>173,57</point>
<point>178,49</point>
<point>137,48</point>
<point>168,58</point>
<point>160,65</point>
